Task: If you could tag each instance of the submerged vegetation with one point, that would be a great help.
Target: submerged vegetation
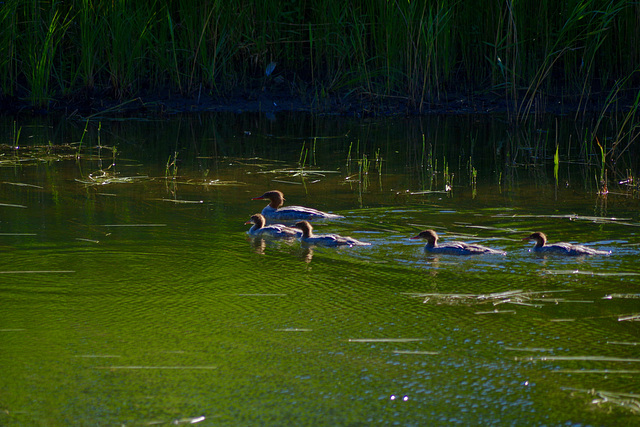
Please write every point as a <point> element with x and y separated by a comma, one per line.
<point>446,156</point>
<point>522,56</point>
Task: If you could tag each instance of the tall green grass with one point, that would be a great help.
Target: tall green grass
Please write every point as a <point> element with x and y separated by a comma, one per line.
<point>43,36</point>
<point>531,53</point>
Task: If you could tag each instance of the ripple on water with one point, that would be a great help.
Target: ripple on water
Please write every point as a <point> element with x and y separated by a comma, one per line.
<point>170,302</point>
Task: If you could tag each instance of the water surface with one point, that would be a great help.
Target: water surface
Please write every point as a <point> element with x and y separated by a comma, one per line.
<point>130,293</point>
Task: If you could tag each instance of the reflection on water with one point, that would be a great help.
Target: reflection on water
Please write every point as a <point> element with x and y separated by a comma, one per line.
<point>132,294</point>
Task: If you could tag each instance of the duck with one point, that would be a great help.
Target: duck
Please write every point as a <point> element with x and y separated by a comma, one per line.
<point>274,209</point>
<point>273,230</point>
<point>325,239</point>
<point>453,248</point>
<point>561,248</point>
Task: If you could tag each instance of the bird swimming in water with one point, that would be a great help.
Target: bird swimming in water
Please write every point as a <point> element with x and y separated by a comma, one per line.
<point>453,248</point>
<point>561,248</point>
<point>326,239</point>
<point>273,230</point>
<point>274,209</point>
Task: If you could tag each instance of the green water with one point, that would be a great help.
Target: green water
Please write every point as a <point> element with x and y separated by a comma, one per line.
<point>130,293</point>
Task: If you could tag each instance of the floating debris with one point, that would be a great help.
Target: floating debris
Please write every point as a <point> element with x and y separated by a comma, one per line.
<point>588,273</point>
<point>622,296</point>
<point>385,339</point>
<point>496,312</point>
<point>158,367</point>
<point>571,217</point>
<point>190,420</point>
<point>80,239</point>
<point>106,179</point>
<point>91,356</point>
<point>300,172</point>
<point>628,401</point>
<point>597,371</point>
<point>578,358</point>
<point>518,297</point>
<point>623,343</point>
<point>186,202</point>
<point>286,182</point>
<point>26,154</point>
<point>134,225</point>
<point>20,184</point>
<point>210,182</point>
<point>530,349</point>
<point>418,352</point>
<point>38,272</point>
<point>261,295</point>
<point>417,193</point>
<point>629,317</point>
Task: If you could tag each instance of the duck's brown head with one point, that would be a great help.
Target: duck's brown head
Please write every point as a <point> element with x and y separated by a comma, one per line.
<point>256,219</point>
<point>306,228</point>
<point>539,237</point>
<point>429,235</point>
<point>276,198</point>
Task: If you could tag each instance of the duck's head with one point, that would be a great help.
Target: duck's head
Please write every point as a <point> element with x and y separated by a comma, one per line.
<point>275,197</point>
<point>539,237</point>
<point>256,219</point>
<point>429,235</point>
<point>306,228</point>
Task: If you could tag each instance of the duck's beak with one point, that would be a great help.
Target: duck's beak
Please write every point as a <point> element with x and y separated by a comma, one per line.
<point>248,222</point>
<point>257,198</point>
<point>414,237</point>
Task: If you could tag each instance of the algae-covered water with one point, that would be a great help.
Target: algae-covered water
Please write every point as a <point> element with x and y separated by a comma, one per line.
<point>130,293</point>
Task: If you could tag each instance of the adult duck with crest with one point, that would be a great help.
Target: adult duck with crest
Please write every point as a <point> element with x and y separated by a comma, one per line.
<point>274,209</point>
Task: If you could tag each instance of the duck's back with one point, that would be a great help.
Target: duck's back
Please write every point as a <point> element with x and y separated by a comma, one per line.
<point>569,249</point>
<point>461,248</point>
<point>333,240</point>
<point>295,213</point>
<point>276,230</point>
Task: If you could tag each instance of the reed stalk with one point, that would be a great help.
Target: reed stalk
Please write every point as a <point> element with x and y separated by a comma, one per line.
<point>90,28</point>
<point>9,39</point>
<point>46,31</point>
<point>171,168</point>
<point>556,164</point>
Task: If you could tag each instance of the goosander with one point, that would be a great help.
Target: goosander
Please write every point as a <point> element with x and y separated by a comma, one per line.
<point>453,248</point>
<point>561,248</point>
<point>325,239</point>
<point>273,230</point>
<point>274,210</point>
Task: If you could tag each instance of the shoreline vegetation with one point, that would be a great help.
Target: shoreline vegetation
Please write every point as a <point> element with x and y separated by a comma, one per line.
<point>522,58</point>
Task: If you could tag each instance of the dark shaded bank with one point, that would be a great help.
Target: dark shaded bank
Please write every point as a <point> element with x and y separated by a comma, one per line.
<point>376,57</point>
<point>87,105</point>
